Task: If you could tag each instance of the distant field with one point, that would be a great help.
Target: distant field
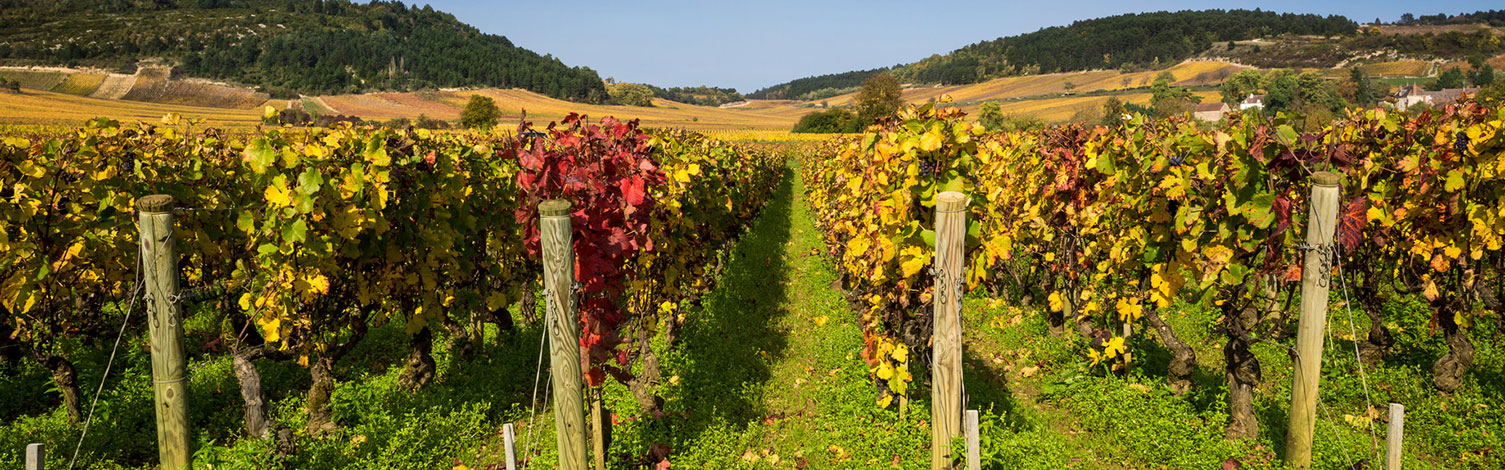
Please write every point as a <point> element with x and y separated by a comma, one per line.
<point>759,119</point>
<point>1053,110</point>
<point>80,84</point>
<point>1400,68</point>
<point>34,80</point>
<point>48,108</point>
<point>1186,73</point>
<point>1436,29</point>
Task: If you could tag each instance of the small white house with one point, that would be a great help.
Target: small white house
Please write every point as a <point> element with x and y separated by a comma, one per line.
<point>1253,101</point>
<point>1412,94</point>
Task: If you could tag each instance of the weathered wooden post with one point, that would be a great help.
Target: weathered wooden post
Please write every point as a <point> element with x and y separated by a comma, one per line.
<point>509,440</point>
<point>1315,276</point>
<point>974,453</point>
<point>563,325</point>
<point>164,322</point>
<point>1393,437</point>
<point>598,430</point>
<point>36,457</point>
<point>946,366</point>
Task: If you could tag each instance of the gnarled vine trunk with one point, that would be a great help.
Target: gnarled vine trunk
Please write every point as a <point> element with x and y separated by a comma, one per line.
<point>320,389</point>
<point>1183,357</point>
<point>251,393</point>
<point>66,379</point>
<point>465,350</point>
<point>1448,371</point>
<point>1242,371</point>
<point>644,384</point>
<point>420,367</point>
<point>1377,344</point>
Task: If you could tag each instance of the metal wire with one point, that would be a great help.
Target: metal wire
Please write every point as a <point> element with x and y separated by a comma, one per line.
<point>131,305</point>
<point>537,374</point>
<point>1374,440</point>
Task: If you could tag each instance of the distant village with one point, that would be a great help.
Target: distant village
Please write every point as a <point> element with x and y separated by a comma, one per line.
<point>1406,97</point>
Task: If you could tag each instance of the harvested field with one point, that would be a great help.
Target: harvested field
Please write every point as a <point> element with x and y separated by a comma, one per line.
<point>197,93</point>
<point>115,86</point>
<point>48,108</point>
<point>80,84</point>
<point>1186,74</point>
<point>150,84</point>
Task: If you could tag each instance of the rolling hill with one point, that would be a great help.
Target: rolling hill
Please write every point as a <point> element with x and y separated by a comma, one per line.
<point>284,47</point>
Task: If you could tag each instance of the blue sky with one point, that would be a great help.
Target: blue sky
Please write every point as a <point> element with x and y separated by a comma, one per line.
<point>750,45</point>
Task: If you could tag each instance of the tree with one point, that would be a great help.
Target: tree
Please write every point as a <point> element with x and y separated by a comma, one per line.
<point>1168,100</point>
<point>1240,86</point>
<point>880,96</point>
<point>1357,89</point>
<point>1113,112</point>
<point>1484,76</point>
<point>1286,90</point>
<point>991,115</point>
<point>630,94</point>
<point>1450,78</point>
<point>480,113</point>
<point>827,122</point>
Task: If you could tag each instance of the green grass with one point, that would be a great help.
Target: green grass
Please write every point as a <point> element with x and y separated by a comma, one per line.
<point>1133,421</point>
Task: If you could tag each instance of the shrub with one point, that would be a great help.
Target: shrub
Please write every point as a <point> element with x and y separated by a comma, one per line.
<point>480,113</point>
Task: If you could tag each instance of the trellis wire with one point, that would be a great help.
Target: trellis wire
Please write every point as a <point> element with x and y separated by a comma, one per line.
<point>131,305</point>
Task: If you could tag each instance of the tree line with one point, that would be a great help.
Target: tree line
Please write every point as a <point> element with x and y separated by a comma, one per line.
<point>1117,41</point>
<point>288,47</point>
<point>1125,41</point>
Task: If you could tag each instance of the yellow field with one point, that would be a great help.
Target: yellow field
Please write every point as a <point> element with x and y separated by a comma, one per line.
<point>1054,110</point>
<point>1186,73</point>
<point>664,113</point>
<point>48,108</point>
<point>754,120</point>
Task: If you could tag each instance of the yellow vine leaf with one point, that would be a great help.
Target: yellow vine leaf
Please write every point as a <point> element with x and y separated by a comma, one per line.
<point>1129,310</point>
<point>914,259</point>
<point>931,141</point>
<point>1056,304</point>
<point>279,196</point>
<point>1114,347</point>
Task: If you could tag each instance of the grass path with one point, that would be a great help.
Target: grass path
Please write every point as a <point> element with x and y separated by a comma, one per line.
<point>768,372</point>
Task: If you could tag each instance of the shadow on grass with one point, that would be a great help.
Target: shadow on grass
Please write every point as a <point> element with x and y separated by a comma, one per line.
<point>722,358</point>
<point>986,389</point>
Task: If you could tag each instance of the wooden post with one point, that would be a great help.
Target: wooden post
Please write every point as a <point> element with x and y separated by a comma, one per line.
<point>1315,275</point>
<point>974,459</point>
<point>598,430</point>
<point>946,368</point>
<point>509,441</point>
<point>563,325</point>
<point>159,264</point>
<point>1393,437</point>
<point>36,457</point>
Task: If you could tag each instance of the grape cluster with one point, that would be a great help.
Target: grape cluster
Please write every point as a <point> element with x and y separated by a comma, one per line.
<point>129,165</point>
<point>1177,160</point>
<point>1460,143</point>
<point>927,169</point>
